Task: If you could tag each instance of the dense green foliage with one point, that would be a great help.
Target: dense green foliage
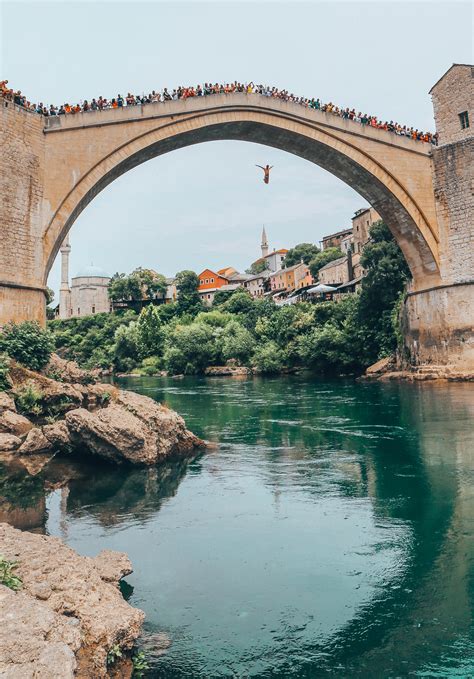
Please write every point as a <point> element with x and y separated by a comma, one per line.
<point>140,285</point>
<point>258,267</point>
<point>340,337</point>
<point>323,258</point>
<point>189,301</point>
<point>4,372</point>
<point>27,343</point>
<point>302,251</point>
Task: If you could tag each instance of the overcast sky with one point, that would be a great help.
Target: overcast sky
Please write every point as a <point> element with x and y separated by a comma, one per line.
<point>205,205</point>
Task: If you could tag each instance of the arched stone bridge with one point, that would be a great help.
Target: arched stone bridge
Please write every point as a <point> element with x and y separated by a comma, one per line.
<point>53,167</point>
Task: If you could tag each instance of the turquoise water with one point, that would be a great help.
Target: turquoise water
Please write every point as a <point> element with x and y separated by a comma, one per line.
<point>330,533</point>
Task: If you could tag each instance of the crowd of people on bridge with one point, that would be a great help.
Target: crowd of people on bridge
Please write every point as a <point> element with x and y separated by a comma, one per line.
<point>208,89</point>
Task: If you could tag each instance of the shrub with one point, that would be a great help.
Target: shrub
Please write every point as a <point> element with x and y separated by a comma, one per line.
<point>4,384</point>
<point>150,334</point>
<point>140,664</point>
<point>28,343</point>
<point>7,576</point>
<point>126,347</point>
<point>191,348</point>
<point>151,365</point>
<point>269,358</point>
<point>28,399</point>
<point>237,343</point>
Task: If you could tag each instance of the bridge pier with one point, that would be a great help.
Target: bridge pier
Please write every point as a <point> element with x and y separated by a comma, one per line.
<point>22,303</point>
<point>438,327</point>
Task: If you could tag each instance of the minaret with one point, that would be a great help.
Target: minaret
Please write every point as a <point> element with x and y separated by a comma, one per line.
<point>64,291</point>
<point>264,245</point>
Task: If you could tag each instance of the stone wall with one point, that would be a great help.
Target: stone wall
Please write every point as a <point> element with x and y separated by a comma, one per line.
<point>21,191</point>
<point>453,94</point>
<point>438,327</point>
<point>453,181</point>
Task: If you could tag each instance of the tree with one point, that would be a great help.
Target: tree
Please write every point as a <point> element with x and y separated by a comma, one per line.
<point>269,358</point>
<point>189,301</point>
<point>126,346</point>
<point>139,286</point>
<point>386,277</point>
<point>28,343</point>
<point>150,334</point>
<point>237,343</point>
<point>258,267</point>
<point>323,258</point>
<point>190,349</point>
<point>302,251</point>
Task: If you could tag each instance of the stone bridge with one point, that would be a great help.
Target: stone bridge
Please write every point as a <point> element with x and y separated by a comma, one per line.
<point>53,167</point>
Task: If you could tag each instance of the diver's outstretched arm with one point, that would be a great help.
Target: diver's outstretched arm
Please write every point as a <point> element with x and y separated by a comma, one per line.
<point>260,166</point>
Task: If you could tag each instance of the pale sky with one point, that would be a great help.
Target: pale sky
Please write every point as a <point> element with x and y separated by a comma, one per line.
<point>204,206</point>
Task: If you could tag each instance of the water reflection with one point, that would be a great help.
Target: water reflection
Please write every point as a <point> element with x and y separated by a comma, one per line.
<point>330,535</point>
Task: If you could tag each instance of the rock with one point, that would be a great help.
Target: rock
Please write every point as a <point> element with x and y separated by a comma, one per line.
<point>133,428</point>
<point>9,442</point>
<point>35,641</point>
<point>35,442</point>
<point>112,566</point>
<point>58,436</point>
<point>78,606</point>
<point>98,395</point>
<point>226,371</point>
<point>6,402</point>
<point>386,364</point>
<point>68,371</point>
<point>56,396</point>
<point>12,422</point>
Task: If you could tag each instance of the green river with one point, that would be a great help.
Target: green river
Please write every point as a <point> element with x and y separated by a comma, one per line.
<point>329,534</point>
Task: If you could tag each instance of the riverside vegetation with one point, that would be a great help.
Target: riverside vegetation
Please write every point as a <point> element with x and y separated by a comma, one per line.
<point>341,337</point>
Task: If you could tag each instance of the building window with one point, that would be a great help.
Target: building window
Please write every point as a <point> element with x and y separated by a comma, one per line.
<point>201,282</point>
<point>212,280</point>
<point>464,120</point>
<point>78,311</point>
<point>207,280</point>
<point>93,309</point>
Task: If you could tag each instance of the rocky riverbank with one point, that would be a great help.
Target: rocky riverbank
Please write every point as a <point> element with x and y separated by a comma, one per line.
<point>390,369</point>
<point>63,409</point>
<point>68,617</point>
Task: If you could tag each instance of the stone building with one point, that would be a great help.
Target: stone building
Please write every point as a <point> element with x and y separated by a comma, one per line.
<point>335,273</point>
<point>361,223</point>
<point>333,240</point>
<point>257,285</point>
<point>89,291</point>
<point>292,278</point>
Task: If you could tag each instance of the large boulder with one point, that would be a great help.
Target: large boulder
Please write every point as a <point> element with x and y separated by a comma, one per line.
<point>9,442</point>
<point>35,443</point>
<point>12,422</point>
<point>55,397</point>
<point>73,588</point>
<point>6,402</point>
<point>68,371</point>
<point>133,429</point>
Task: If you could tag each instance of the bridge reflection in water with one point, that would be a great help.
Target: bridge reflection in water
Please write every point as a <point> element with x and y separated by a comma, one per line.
<point>330,535</point>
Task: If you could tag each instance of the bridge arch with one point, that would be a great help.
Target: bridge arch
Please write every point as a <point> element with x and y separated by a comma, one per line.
<point>391,173</point>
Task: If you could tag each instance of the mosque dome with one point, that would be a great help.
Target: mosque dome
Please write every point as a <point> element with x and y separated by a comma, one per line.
<point>92,272</point>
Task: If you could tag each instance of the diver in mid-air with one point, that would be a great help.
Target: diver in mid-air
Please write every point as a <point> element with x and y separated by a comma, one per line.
<point>266,172</point>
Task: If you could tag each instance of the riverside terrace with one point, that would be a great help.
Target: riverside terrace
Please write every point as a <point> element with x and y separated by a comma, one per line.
<point>209,89</point>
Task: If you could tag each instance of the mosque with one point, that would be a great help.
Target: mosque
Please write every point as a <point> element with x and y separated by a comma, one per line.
<point>89,290</point>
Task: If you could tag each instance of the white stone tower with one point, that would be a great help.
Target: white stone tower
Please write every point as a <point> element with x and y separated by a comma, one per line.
<point>264,244</point>
<point>64,291</point>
